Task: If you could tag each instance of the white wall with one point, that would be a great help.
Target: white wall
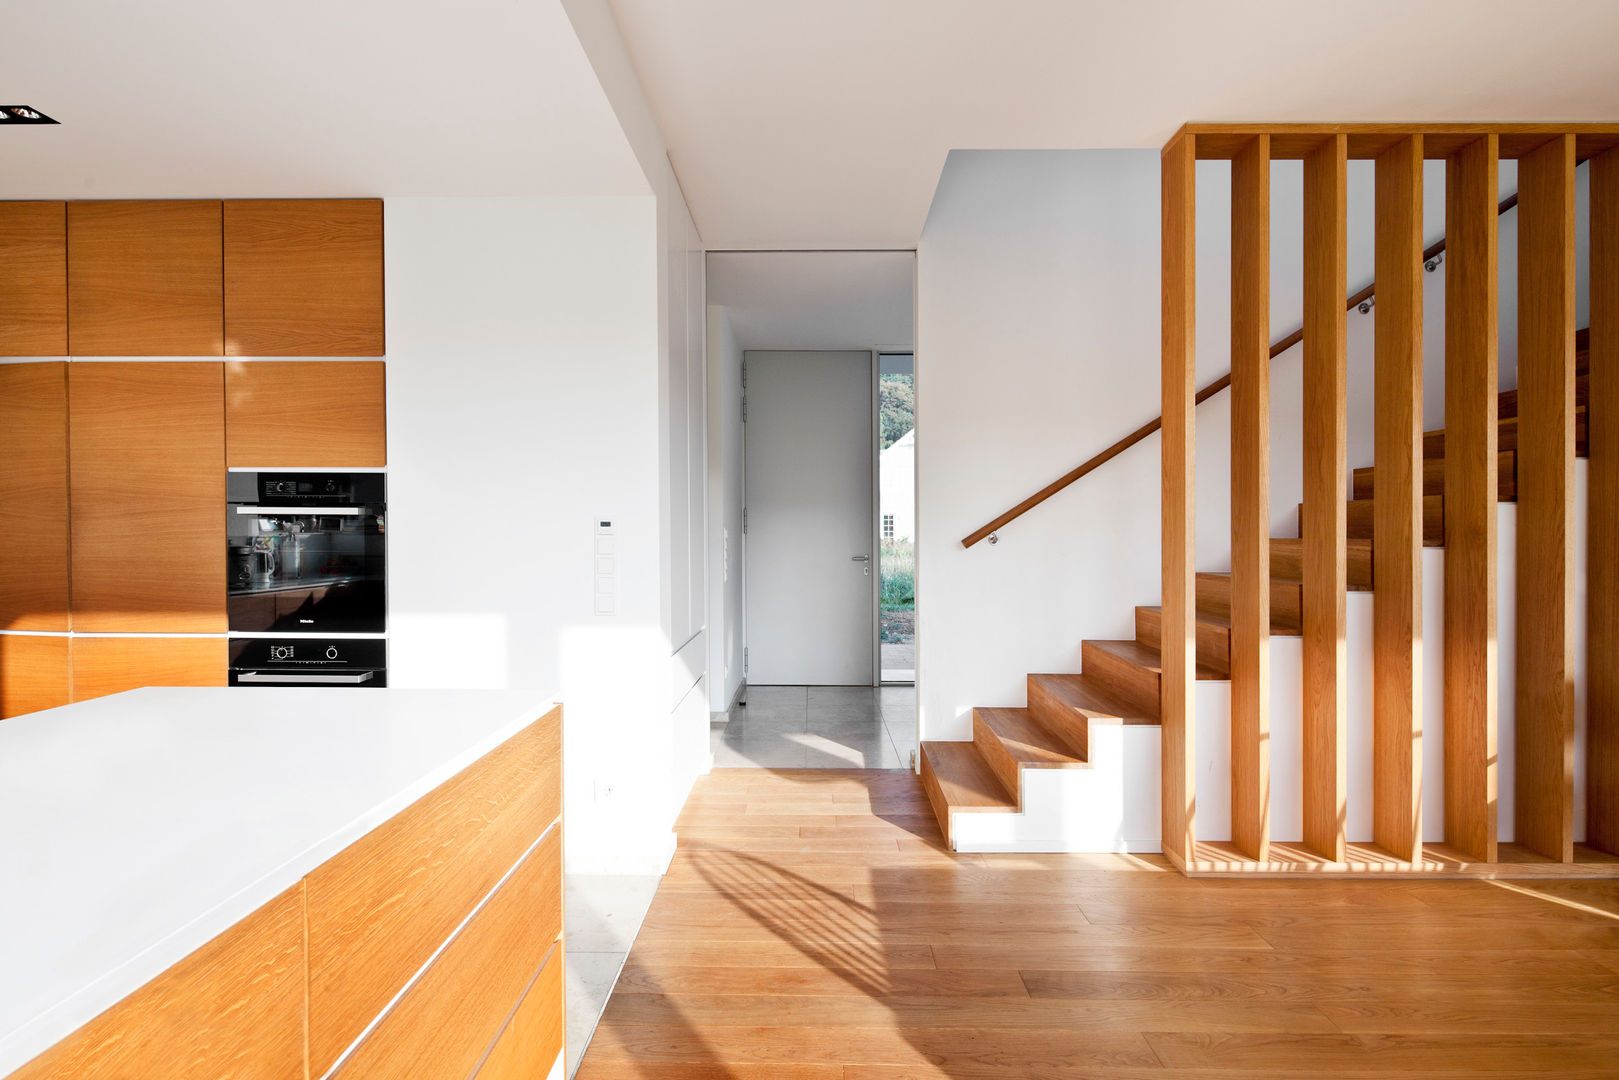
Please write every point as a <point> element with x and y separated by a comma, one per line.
<point>725,624</point>
<point>522,408</point>
<point>682,423</point>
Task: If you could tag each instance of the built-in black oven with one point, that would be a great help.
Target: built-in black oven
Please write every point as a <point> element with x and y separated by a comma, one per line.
<point>309,661</point>
<point>306,553</point>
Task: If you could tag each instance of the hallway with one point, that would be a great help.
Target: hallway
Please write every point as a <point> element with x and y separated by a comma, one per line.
<point>818,727</point>
<point>812,927</point>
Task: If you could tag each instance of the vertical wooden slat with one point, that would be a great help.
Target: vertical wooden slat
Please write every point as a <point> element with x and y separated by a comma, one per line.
<point>1326,659</point>
<point>1470,498</point>
<point>1397,508</point>
<point>1602,568</point>
<point>1545,670</point>
<point>1250,498</point>
<point>1178,650</point>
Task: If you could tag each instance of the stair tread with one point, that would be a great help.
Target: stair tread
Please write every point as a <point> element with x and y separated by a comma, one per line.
<point>965,779</point>
<point>1136,653</point>
<point>1026,741</point>
<point>1083,694</point>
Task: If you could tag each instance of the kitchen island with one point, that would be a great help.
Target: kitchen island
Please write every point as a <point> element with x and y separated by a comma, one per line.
<point>204,882</point>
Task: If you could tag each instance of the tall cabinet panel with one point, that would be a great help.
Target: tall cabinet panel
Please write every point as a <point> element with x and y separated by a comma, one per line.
<point>145,279</point>
<point>148,496</point>
<point>33,497</point>
<point>33,278</point>
<point>303,277</point>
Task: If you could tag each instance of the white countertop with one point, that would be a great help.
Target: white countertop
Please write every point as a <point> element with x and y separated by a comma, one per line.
<point>134,828</point>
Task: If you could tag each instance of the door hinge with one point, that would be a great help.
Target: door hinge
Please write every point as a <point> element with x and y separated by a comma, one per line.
<point>744,521</point>
<point>744,408</point>
<point>744,374</point>
<point>744,661</point>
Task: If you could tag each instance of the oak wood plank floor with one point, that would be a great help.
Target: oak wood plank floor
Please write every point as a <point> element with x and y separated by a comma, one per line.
<point>813,927</point>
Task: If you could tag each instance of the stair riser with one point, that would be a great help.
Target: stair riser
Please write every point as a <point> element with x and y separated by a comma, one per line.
<point>1055,716</point>
<point>1287,561</point>
<point>1433,478</point>
<point>1133,684</point>
<point>1213,639</point>
<point>1286,603</point>
<point>941,810</point>
<point>1433,442</point>
<point>994,753</point>
<point>1359,513</point>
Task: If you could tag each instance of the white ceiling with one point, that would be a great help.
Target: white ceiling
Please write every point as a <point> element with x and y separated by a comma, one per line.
<point>824,123</point>
<point>815,300</point>
<point>305,97</point>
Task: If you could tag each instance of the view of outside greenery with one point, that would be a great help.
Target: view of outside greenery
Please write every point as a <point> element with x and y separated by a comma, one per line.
<point>897,403</point>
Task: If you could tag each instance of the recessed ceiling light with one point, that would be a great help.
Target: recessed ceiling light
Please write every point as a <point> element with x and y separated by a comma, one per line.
<point>23,114</point>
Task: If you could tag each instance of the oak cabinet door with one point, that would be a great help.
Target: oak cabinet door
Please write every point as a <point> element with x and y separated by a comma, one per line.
<point>233,1008</point>
<point>292,413</point>
<point>145,279</point>
<point>303,277</point>
<point>111,665</point>
<point>33,497</point>
<point>33,672</point>
<point>33,278</point>
<point>147,496</point>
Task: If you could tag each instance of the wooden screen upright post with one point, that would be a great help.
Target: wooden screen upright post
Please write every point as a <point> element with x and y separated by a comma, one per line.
<point>1178,650</point>
<point>1397,506</point>
<point>1471,498</point>
<point>1250,498</point>
<point>1326,483</point>
<point>1545,669</point>
<point>1602,418</point>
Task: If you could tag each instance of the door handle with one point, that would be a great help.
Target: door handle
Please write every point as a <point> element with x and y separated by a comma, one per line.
<point>859,558</point>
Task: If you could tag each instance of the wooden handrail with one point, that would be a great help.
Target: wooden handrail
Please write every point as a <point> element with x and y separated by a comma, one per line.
<point>1280,346</point>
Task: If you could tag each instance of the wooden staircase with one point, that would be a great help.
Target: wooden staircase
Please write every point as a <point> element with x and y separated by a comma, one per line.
<point>1120,679</point>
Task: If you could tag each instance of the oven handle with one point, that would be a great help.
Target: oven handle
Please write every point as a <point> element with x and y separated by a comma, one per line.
<point>261,677</point>
<point>302,511</point>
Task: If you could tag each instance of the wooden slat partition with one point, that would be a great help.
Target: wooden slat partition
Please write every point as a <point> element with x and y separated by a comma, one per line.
<point>1326,425</point>
<point>1470,498</point>
<point>1250,498</point>
<point>1179,640</point>
<point>1397,514</point>
<point>1545,670</point>
<point>1602,552</point>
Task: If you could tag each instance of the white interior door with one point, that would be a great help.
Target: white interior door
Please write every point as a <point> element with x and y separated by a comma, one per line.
<point>811,570</point>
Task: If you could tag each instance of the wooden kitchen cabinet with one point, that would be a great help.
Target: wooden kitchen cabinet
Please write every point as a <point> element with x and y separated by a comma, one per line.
<point>111,665</point>
<point>303,277</point>
<point>145,279</point>
<point>233,1008</point>
<point>147,496</point>
<point>34,672</point>
<point>33,497</point>
<point>33,278</point>
<point>300,414</point>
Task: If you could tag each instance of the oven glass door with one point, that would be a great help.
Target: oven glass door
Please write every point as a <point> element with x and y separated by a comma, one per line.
<point>306,569</point>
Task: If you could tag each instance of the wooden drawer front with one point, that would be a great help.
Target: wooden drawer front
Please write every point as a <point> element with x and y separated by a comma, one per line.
<point>103,666</point>
<point>233,1008</point>
<point>145,279</point>
<point>33,495</point>
<point>33,673</point>
<point>33,278</point>
<point>531,1043</point>
<point>303,277</point>
<point>380,908</point>
<point>147,496</point>
<point>306,414</point>
<point>448,1021</point>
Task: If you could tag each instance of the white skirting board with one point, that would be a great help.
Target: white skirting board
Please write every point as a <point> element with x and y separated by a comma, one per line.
<point>1114,805</point>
